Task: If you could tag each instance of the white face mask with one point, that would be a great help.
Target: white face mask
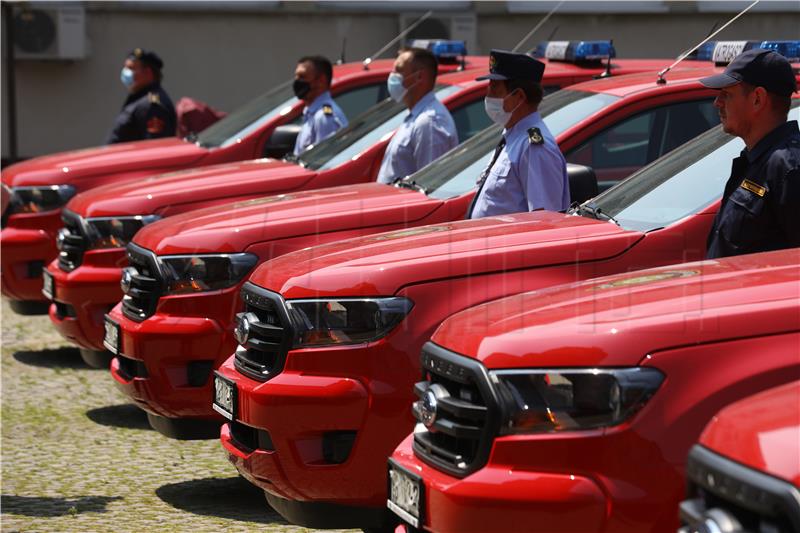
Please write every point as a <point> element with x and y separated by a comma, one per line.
<point>494,108</point>
<point>395,86</point>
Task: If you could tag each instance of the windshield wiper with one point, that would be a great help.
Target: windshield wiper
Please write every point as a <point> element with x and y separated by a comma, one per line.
<point>595,212</point>
<point>192,137</point>
<point>407,183</point>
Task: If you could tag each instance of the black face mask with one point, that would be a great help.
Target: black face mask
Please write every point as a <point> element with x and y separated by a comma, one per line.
<point>301,88</point>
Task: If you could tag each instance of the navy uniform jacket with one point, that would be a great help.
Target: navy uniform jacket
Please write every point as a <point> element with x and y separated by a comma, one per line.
<point>760,208</point>
<point>146,114</point>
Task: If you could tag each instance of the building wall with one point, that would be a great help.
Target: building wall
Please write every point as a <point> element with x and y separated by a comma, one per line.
<point>225,54</point>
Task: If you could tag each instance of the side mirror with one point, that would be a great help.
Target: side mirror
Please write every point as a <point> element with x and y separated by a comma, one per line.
<point>582,182</point>
<point>281,142</point>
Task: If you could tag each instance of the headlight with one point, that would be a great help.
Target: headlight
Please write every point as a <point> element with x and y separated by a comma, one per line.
<point>115,232</point>
<point>538,401</point>
<point>345,321</point>
<point>198,273</point>
<point>40,198</point>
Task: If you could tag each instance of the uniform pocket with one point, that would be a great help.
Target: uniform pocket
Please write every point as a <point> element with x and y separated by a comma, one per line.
<point>740,225</point>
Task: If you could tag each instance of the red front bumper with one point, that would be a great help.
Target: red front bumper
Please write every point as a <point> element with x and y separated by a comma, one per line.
<point>28,244</point>
<point>169,346</point>
<point>82,297</point>
<point>502,498</point>
<point>307,415</point>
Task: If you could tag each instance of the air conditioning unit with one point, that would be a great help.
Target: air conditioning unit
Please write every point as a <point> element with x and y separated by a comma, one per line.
<point>49,33</point>
<point>451,26</point>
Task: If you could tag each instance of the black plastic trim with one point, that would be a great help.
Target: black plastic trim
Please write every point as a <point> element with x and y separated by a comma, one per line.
<point>767,496</point>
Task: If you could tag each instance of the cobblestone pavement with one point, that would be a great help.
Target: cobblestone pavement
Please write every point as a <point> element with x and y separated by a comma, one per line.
<point>76,456</point>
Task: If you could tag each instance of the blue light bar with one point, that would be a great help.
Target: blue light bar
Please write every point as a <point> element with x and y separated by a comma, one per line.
<point>575,51</point>
<point>441,47</point>
<point>723,52</point>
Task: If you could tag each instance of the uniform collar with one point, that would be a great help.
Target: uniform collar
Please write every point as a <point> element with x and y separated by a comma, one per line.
<point>786,129</point>
<point>423,104</point>
<point>318,102</point>
<point>528,121</point>
<point>153,87</point>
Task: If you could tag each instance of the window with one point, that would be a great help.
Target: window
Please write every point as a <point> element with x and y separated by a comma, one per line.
<point>623,148</point>
<point>470,119</point>
<point>356,101</point>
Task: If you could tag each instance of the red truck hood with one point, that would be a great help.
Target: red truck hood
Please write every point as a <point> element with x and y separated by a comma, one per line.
<point>192,186</point>
<point>450,250</point>
<point>762,432</point>
<point>233,227</point>
<point>70,167</point>
<point>617,320</point>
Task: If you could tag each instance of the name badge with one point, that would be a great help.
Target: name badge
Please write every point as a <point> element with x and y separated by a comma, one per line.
<point>754,188</point>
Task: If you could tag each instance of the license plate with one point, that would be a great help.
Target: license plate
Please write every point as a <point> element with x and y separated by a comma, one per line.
<point>48,285</point>
<point>224,396</point>
<point>406,495</point>
<point>111,337</point>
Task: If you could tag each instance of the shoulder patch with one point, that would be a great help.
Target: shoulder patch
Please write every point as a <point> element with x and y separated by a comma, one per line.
<point>754,188</point>
<point>154,98</point>
<point>535,136</point>
<point>155,125</point>
<point>328,110</point>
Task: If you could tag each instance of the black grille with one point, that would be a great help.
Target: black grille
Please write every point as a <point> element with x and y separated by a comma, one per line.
<point>72,242</point>
<point>142,296</point>
<point>732,492</point>
<point>270,333</point>
<point>459,437</point>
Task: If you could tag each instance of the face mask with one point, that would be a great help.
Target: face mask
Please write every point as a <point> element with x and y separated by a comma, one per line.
<point>395,86</point>
<point>301,88</point>
<point>494,108</point>
<point>126,77</point>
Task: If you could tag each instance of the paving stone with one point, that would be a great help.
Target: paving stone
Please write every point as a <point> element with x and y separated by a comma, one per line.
<point>77,457</point>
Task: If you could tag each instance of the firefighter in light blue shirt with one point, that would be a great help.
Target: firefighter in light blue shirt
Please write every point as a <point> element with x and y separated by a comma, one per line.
<point>321,116</point>
<point>527,171</point>
<point>428,130</point>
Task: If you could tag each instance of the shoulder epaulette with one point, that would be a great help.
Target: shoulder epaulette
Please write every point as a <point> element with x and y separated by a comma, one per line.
<point>535,136</point>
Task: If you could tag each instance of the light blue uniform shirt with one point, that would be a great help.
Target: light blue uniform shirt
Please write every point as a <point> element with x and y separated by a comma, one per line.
<point>321,119</point>
<point>426,133</point>
<point>526,176</point>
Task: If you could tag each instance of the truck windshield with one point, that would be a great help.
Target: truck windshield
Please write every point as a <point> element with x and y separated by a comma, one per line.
<point>456,172</point>
<point>683,182</point>
<point>249,117</point>
<point>363,131</point>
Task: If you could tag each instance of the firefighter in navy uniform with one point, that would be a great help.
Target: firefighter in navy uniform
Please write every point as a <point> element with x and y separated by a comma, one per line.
<point>760,208</point>
<point>148,112</point>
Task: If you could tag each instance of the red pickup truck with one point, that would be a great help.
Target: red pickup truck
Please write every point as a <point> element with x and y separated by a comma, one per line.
<point>573,409</point>
<point>360,310</point>
<point>744,474</point>
<point>170,332</point>
<point>40,187</point>
<point>84,281</point>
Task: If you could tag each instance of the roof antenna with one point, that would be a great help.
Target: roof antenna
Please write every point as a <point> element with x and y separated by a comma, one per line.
<point>662,81</point>
<point>607,72</point>
<point>549,38</point>
<point>402,34</point>
<point>341,57</point>
<point>539,25</point>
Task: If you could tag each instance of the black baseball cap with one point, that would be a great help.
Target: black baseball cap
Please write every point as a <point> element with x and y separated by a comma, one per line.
<point>758,67</point>
<point>147,57</point>
<point>505,65</point>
